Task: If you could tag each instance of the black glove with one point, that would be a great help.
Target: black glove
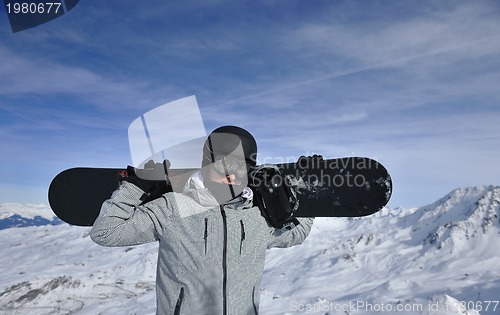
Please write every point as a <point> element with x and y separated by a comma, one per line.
<point>274,197</point>
<point>153,179</point>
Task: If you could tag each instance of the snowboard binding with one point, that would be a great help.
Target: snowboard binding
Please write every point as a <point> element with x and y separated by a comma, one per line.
<point>274,196</point>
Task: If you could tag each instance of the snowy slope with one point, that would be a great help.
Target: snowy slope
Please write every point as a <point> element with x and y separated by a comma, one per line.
<point>446,252</point>
<point>409,261</point>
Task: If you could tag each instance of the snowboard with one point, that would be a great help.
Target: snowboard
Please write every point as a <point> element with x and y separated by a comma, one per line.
<point>343,187</point>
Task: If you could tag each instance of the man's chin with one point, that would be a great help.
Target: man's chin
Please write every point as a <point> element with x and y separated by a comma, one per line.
<point>224,192</point>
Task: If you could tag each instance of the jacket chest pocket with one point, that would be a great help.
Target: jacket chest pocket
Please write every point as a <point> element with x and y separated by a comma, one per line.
<point>242,235</point>
<point>212,240</point>
<point>241,241</point>
<point>209,238</point>
<point>205,237</point>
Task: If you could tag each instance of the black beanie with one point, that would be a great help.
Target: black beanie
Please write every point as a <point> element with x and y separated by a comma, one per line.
<point>225,140</point>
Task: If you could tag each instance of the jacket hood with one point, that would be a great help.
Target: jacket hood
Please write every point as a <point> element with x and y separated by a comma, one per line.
<point>195,189</point>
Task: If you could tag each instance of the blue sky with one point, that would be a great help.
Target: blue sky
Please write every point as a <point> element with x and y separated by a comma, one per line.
<point>414,84</point>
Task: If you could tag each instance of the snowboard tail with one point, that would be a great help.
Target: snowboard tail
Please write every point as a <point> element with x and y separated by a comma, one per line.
<point>77,194</point>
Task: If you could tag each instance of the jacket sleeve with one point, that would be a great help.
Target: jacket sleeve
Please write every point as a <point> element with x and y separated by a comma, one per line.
<point>123,221</point>
<point>293,236</point>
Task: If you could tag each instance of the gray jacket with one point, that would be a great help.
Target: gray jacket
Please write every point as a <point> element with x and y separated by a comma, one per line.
<point>211,257</point>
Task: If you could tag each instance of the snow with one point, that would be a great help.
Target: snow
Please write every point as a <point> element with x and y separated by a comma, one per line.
<point>442,258</point>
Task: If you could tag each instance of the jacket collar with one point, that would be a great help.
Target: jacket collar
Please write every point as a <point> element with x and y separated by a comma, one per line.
<point>195,189</point>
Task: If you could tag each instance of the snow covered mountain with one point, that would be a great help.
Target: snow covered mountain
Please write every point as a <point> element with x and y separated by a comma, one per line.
<point>442,258</point>
<point>19,215</point>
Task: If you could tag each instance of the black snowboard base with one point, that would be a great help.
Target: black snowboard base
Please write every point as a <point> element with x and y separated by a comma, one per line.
<point>344,187</point>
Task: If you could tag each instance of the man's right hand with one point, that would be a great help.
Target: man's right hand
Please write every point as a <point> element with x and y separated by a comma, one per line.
<point>153,179</point>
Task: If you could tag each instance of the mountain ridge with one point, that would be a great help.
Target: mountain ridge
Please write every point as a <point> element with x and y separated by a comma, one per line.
<point>23,215</point>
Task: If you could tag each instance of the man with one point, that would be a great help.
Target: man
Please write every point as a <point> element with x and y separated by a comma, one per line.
<point>212,240</point>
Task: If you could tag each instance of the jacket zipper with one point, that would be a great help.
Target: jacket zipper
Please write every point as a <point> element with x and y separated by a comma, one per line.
<point>242,235</point>
<point>224,262</point>
<point>253,302</point>
<point>178,305</point>
<point>205,235</point>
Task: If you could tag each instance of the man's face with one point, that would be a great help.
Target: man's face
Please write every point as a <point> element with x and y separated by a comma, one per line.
<point>224,185</point>
<point>231,169</point>
<point>228,165</point>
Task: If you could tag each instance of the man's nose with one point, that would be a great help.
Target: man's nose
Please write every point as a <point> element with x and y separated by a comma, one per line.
<point>231,178</point>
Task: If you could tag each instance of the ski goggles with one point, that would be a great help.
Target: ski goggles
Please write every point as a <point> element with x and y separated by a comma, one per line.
<point>227,165</point>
